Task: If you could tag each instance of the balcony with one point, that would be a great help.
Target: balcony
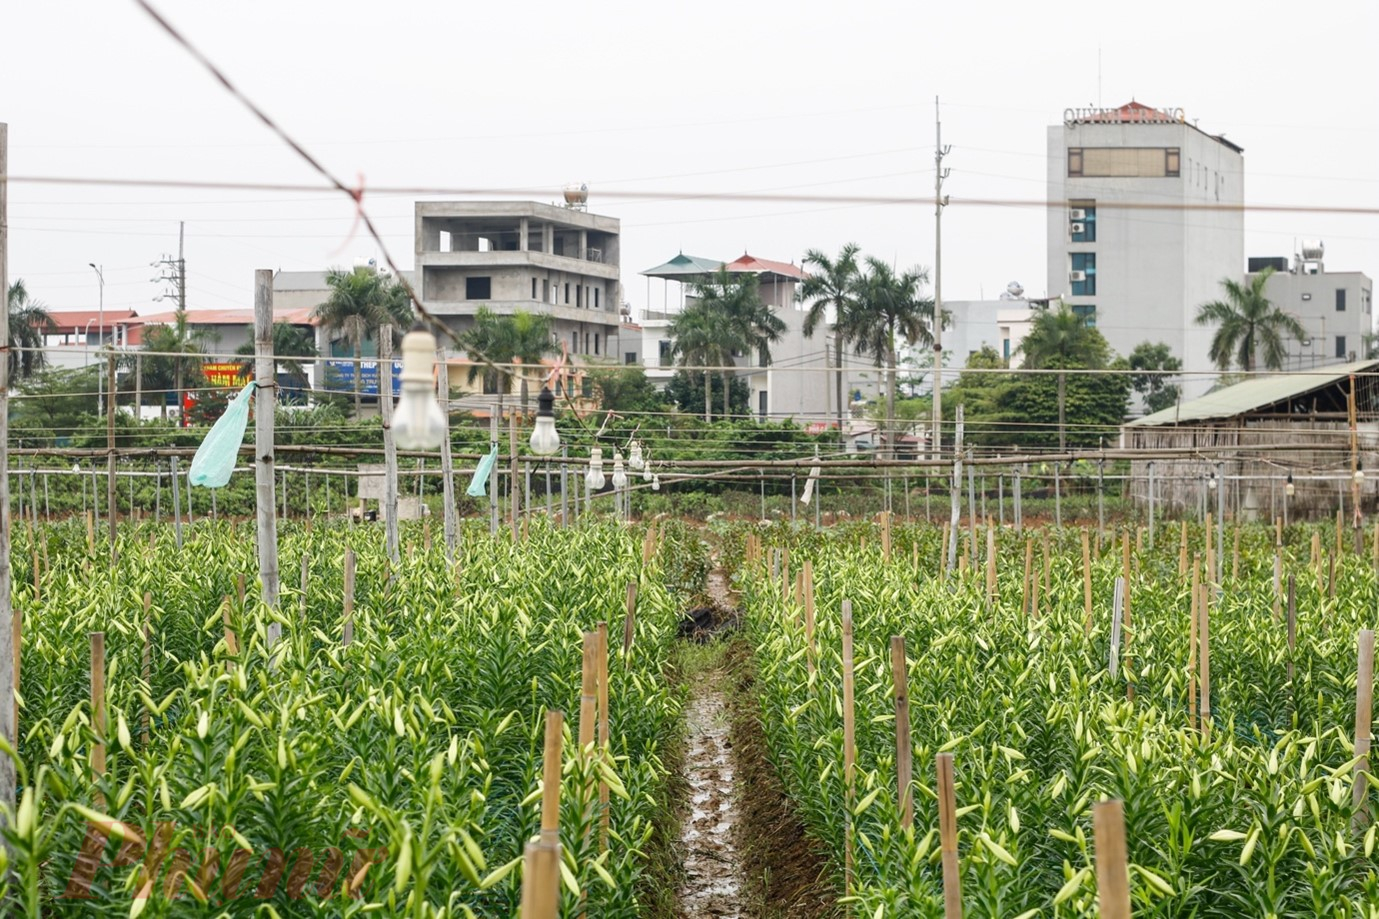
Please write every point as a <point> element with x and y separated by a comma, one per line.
<point>592,265</point>
<point>508,307</point>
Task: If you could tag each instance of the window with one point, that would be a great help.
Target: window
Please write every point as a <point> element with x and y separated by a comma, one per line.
<point>596,298</point>
<point>546,290</point>
<point>762,398</point>
<point>1082,226</point>
<point>1340,299</point>
<point>1085,310</point>
<point>574,342</point>
<point>586,386</point>
<point>1005,349</point>
<point>1126,162</point>
<point>596,343</point>
<point>1082,276</point>
<point>579,296</point>
<point>567,293</point>
<point>533,288</point>
<point>1340,346</point>
<point>664,352</point>
<point>478,288</point>
<point>629,357</point>
<point>586,343</point>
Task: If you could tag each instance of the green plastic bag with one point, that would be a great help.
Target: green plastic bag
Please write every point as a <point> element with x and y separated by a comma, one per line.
<point>476,485</point>
<point>215,458</point>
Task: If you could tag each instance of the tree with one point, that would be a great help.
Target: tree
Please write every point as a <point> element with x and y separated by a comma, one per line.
<point>1154,387</point>
<point>29,322</point>
<point>290,342</point>
<point>892,310</point>
<point>832,287</point>
<point>742,321</point>
<point>360,301</point>
<point>686,392</point>
<point>1062,339</point>
<point>60,403</point>
<point>626,390</point>
<point>522,338</point>
<point>1250,326</point>
<point>700,338</point>
<point>173,363</point>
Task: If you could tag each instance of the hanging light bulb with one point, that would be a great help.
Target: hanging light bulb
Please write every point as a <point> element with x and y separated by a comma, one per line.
<point>634,459</point>
<point>646,471</point>
<point>1211,482</point>
<point>418,423</point>
<point>619,473</point>
<point>545,439</point>
<point>1288,486</point>
<point>1359,474</point>
<point>594,477</point>
<point>655,483</point>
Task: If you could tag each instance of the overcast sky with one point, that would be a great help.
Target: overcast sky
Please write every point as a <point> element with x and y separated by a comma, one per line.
<point>675,99</point>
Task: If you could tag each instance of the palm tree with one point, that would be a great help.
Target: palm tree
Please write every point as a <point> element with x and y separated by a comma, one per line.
<point>890,310</point>
<point>832,286</point>
<point>362,300</point>
<point>1249,324</point>
<point>290,342</point>
<point>697,332</point>
<point>745,324</point>
<point>1061,339</point>
<point>522,338</point>
<point>173,362</point>
<point>29,322</point>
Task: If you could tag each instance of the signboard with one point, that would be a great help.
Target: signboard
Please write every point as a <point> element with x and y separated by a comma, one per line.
<point>1129,114</point>
<point>224,375</point>
<point>340,377</point>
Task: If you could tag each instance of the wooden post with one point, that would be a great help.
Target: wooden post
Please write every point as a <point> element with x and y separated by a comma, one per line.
<point>809,621</point>
<point>1086,583</point>
<point>1025,594</point>
<point>98,708</point>
<point>1364,723</point>
<point>541,862</point>
<point>991,593</point>
<point>1034,597</point>
<point>1340,544</point>
<point>605,740</point>
<point>265,400</point>
<point>447,460</point>
<point>385,409</point>
<point>147,671</point>
<point>1204,636</point>
<point>1292,625</point>
<point>629,621</point>
<point>1235,556</point>
<point>231,641</point>
<point>943,553</point>
<point>90,533</point>
<point>1112,872</point>
<point>514,492</point>
<point>849,748</point>
<point>886,536</point>
<point>904,747</point>
<point>948,837</point>
<point>1278,580</point>
<point>588,718</point>
<point>348,631</point>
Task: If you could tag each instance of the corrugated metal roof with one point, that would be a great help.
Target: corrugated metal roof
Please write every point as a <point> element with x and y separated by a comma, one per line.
<point>1253,395</point>
<point>750,264</point>
<point>684,265</point>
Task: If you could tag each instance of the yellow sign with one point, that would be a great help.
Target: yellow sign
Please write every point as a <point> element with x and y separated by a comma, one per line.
<point>226,375</point>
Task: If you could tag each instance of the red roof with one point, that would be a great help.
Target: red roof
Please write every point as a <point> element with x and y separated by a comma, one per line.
<point>224,317</point>
<point>750,264</point>
<point>73,322</point>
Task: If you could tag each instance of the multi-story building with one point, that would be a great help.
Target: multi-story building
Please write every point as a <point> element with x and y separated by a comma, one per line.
<point>1149,222</point>
<point>520,255</point>
<point>1335,307</point>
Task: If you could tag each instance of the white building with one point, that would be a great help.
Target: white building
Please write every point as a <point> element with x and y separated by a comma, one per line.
<point>1335,307</point>
<point>1152,222</point>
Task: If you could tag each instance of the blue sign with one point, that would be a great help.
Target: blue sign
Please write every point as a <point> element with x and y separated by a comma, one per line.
<point>340,377</point>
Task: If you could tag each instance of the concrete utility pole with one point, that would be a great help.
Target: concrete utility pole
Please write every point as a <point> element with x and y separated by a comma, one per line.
<point>112,512</point>
<point>7,649</point>
<point>385,409</point>
<point>265,401</point>
<point>447,461</point>
<point>940,202</point>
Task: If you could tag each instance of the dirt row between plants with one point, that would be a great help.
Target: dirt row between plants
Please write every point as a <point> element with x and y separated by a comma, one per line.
<point>745,855</point>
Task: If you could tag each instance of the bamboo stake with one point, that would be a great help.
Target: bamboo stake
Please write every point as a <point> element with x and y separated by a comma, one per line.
<point>349,597</point>
<point>605,740</point>
<point>943,554</point>
<point>948,837</point>
<point>231,641</point>
<point>98,710</point>
<point>1192,645</point>
<point>37,573</point>
<point>1025,593</point>
<point>849,746</point>
<point>1034,599</point>
<point>588,722</point>
<point>1340,544</point>
<point>90,532</point>
<point>886,536</point>
<point>1364,724</point>
<point>16,644</point>
<point>1182,549</point>
<point>541,866</point>
<point>1292,626</point>
<point>809,622</point>
<point>265,400</point>
<point>1125,618</point>
<point>1204,635</point>
<point>991,594</point>
<point>1211,552</point>
<point>1086,583</point>
<point>1278,580</point>
<point>1112,873</point>
<point>785,574</point>
<point>904,748</point>
<point>1235,556</point>
<point>629,621</point>
<point>148,659</point>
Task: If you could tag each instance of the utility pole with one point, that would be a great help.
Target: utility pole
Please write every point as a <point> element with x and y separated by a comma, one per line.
<point>175,275</point>
<point>940,202</point>
<point>7,648</point>
<point>112,512</point>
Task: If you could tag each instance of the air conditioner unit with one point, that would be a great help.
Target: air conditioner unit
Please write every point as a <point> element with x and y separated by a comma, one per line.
<point>1079,228</point>
<point>1077,275</point>
<point>1077,213</point>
